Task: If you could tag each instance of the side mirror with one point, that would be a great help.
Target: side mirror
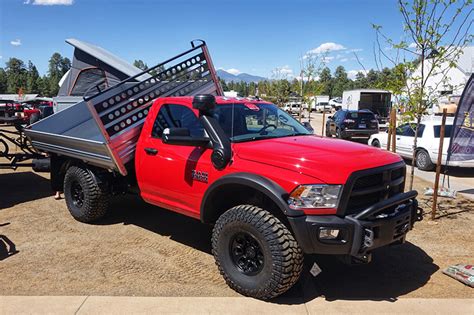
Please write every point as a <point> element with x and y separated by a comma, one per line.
<point>308,126</point>
<point>182,136</point>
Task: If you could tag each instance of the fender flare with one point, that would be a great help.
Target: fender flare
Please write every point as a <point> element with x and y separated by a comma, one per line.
<point>262,184</point>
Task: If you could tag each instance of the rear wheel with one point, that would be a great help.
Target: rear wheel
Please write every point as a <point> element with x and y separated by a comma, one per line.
<point>85,199</point>
<point>376,143</point>
<point>255,253</point>
<point>423,161</point>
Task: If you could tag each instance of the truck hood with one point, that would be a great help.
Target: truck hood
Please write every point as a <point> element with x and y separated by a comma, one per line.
<point>329,160</point>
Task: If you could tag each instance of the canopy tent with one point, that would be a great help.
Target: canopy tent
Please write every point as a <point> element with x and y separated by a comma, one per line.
<point>93,66</point>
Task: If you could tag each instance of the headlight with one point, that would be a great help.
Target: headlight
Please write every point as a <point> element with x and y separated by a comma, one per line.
<point>315,196</point>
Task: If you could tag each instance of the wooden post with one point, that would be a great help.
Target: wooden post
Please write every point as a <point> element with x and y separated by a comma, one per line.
<point>324,117</point>
<point>438,165</point>
<point>394,130</point>
<point>389,134</point>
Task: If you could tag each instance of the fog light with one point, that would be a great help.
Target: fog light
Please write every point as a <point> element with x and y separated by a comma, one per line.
<point>328,234</point>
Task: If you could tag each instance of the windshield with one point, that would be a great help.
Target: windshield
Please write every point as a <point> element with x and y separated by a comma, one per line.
<point>249,121</point>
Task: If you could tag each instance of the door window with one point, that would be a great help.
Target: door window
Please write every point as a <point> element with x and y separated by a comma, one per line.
<point>408,130</point>
<point>176,116</point>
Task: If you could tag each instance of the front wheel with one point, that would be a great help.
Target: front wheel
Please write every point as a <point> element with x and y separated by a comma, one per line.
<point>255,253</point>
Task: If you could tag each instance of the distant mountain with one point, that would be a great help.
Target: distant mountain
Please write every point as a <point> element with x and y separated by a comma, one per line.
<point>226,76</point>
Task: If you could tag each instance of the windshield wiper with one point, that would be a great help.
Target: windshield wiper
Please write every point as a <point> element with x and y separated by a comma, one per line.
<point>270,137</point>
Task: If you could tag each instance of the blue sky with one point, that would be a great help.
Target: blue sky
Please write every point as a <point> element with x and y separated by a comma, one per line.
<point>247,36</point>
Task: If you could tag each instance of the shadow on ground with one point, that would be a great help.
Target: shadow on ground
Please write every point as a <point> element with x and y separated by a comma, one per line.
<point>394,271</point>
<point>180,228</point>
<point>19,187</point>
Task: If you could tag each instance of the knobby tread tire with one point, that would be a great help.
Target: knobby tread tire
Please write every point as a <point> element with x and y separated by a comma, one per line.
<point>286,255</point>
<point>96,199</point>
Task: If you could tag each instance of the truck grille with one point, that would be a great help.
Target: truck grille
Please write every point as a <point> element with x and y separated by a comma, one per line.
<point>367,187</point>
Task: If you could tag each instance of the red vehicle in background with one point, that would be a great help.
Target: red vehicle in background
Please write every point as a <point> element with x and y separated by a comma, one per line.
<point>36,109</point>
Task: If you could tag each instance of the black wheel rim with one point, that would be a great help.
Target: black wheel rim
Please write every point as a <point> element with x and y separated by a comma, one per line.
<point>77,194</point>
<point>246,254</point>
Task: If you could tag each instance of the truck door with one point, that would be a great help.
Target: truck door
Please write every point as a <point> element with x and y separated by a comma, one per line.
<point>173,176</point>
<point>405,135</point>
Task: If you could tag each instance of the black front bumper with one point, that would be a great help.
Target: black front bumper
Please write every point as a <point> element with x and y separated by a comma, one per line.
<point>382,224</point>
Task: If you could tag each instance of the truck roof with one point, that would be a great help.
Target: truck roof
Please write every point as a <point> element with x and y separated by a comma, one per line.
<point>220,100</point>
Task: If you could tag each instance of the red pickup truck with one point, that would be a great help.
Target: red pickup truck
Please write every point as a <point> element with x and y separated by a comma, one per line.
<point>272,190</point>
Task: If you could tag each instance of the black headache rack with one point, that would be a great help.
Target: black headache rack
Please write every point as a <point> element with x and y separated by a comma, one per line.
<point>103,129</point>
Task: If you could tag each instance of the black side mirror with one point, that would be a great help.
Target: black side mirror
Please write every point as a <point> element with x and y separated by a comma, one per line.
<point>182,136</point>
<point>308,126</point>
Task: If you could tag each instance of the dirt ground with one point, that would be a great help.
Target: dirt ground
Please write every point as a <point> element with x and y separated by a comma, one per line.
<point>140,250</point>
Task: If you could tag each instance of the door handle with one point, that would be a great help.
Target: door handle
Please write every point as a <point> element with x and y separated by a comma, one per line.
<point>151,151</point>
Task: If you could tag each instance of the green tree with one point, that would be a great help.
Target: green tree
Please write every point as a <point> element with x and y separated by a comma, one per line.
<point>57,67</point>
<point>16,75</point>
<point>32,78</point>
<point>326,82</point>
<point>341,81</point>
<point>140,64</point>
<point>361,81</point>
<point>3,81</point>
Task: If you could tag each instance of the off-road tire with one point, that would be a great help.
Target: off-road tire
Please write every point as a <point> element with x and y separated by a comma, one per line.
<point>375,143</point>
<point>328,132</point>
<point>423,161</point>
<point>283,258</point>
<point>338,134</point>
<point>95,198</point>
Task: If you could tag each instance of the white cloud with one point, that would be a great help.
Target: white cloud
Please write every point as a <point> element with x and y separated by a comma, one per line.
<point>352,73</point>
<point>344,60</point>
<point>49,2</point>
<point>412,45</point>
<point>326,47</point>
<point>16,42</point>
<point>1,57</point>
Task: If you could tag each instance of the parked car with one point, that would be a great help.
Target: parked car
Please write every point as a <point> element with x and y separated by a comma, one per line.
<point>335,103</point>
<point>293,108</point>
<point>348,124</point>
<point>427,143</point>
<point>323,107</point>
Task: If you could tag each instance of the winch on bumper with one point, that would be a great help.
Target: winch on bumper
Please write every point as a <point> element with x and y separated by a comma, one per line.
<point>381,224</point>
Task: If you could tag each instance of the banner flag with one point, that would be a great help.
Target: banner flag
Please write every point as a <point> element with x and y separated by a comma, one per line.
<point>462,135</point>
